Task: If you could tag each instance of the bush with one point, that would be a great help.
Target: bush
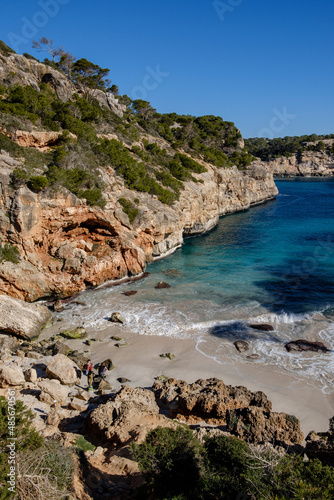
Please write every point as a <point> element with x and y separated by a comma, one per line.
<point>7,51</point>
<point>226,467</point>
<point>129,208</point>
<point>45,473</point>
<point>171,460</point>
<point>37,183</point>
<point>82,444</point>
<point>9,253</point>
<point>26,438</point>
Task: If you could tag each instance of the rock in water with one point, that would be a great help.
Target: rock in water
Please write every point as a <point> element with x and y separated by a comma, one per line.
<point>305,345</point>
<point>116,318</point>
<point>162,284</point>
<point>241,345</point>
<point>129,293</point>
<point>263,327</point>
<point>63,369</point>
<point>22,319</point>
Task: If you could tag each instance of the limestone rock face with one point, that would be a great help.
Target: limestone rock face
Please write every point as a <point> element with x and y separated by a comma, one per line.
<point>63,369</point>
<point>11,376</point>
<point>205,399</point>
<point>66,245</point>
<point>256,425</point>
<point>247,414</point>
<point>129,417</point>
<point>21,319</point>
<point>311,163</point>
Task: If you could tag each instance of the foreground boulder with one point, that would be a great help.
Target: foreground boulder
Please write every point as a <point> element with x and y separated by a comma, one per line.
<point>256,425</point>
<point>305,345</point>
<point>63,369</point>
<point>247,414</point>
<point>21,319</point>
<point>11,376</point>
<point>321,445</point>
<point>206,400</point>
<point>129,417</point>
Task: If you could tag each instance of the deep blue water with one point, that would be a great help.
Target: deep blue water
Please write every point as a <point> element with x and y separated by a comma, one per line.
<point>273,263</point>
<point>280,254</point>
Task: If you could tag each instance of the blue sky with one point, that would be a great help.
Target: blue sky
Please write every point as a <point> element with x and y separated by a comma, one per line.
<point>266,65</point>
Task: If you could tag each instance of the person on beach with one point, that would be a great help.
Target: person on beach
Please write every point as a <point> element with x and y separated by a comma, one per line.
<point>102,371</point>
<point>90,375</point>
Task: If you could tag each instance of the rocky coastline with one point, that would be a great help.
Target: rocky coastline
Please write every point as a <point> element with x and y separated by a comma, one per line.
<point>47,376</point>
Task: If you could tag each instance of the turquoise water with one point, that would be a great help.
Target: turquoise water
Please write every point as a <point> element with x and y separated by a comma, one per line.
<point>273,263</point>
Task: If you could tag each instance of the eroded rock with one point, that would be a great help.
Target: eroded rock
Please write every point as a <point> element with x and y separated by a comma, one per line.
<point>21,319</point>
<point>63,369</point>
<point>305,345</point>
<point>127,418</point>
<point>11,376</point>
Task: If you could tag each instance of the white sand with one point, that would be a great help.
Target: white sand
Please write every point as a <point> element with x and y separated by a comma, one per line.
<point>139,361</point>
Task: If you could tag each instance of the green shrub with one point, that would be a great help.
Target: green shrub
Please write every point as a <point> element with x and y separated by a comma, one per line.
<point>46,473</point>
<point>4,49</point>
<point>129,208</point>
<point>176,465</point>
<point>37,183</point>
<point>82,444</point>
<point>93,197</point>
<point>171,460</point>
<point>9,253</point>
<point>26,438</point>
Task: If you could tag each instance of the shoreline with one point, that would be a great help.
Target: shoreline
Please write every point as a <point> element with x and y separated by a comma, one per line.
<point>140,362</point>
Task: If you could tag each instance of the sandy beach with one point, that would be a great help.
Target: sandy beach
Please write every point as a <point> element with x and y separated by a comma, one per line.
<point>140,362</point>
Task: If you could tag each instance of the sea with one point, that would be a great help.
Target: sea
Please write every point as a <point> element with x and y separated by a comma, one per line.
<point>273,263</point>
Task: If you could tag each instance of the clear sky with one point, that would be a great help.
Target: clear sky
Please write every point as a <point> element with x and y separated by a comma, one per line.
<point>266,65</point>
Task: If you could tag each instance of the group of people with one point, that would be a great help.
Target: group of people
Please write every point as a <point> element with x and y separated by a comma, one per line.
<point>89,371</point>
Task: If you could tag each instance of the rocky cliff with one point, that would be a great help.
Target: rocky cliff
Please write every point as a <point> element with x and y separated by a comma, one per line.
<point>66,244</point>
<point>309,164</point>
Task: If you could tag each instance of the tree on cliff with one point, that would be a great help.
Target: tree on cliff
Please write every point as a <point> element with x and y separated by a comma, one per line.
<point>90,76</point>
<point>47,45</point>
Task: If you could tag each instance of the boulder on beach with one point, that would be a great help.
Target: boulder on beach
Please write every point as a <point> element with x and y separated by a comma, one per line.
<point>241,345</point>
<point>305,345</point>
<point>21,319</point>
<point>116,318</point>
<point>168,355</point>
<point>74,333</point>
<point>11,376</point>
<point>63,369</point>
<point>263,327</point>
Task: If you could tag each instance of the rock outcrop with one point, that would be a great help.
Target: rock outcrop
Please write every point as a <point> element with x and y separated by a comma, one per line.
<point>246,414</point>
<point>320,445</point>
<point>128,417</point>
<point>66,246</point>
<point>309,164</point>
<point>21,319</point>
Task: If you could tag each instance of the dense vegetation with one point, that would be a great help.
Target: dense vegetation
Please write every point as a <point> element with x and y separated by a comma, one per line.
<point>177,466</point>
<point>268,149</point>
<point>43,468</point>
<point>77,159</point>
